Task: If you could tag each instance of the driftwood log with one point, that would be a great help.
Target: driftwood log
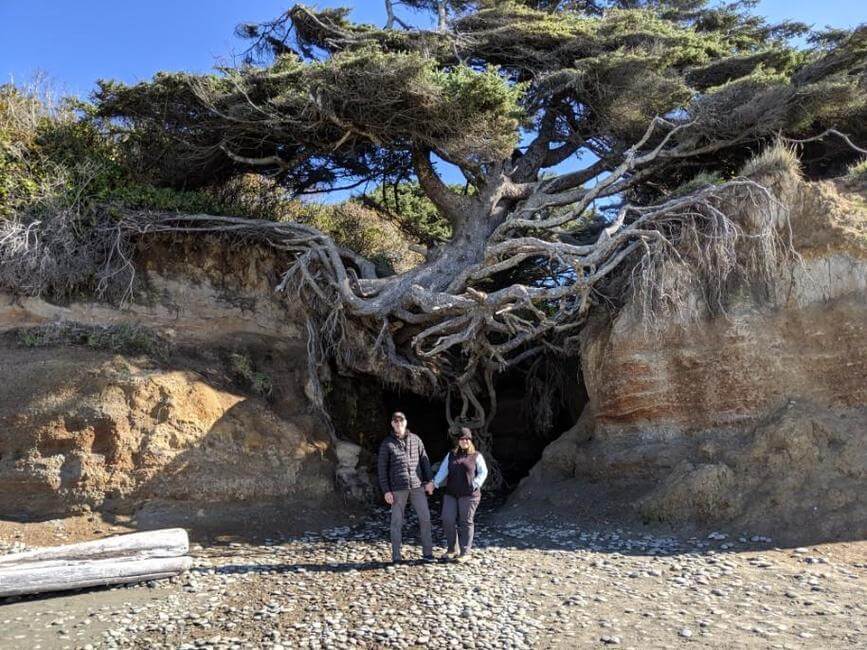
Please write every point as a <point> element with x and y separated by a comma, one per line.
<point>115,560</point>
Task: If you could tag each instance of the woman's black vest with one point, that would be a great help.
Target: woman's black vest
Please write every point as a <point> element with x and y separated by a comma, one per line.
<point>462,471</point>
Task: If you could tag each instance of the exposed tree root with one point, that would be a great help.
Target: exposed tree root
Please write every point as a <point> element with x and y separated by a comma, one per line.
<point>449,337</point>
<point>449,326</point>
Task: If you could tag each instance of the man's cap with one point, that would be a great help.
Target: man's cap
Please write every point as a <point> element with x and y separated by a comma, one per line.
<point>398,415</point>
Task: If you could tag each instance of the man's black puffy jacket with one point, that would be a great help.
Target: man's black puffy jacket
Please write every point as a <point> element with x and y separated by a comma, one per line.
<point>403,463</point>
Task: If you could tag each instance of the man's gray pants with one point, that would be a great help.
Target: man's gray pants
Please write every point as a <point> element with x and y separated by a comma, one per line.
<point>462,509</point>
<point>419,503</point>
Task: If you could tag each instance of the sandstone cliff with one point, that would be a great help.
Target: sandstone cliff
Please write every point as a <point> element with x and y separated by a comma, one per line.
<point>755,418</point>
<point>207,422</point>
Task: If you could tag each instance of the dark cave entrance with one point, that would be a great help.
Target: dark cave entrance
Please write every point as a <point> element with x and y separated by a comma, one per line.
<point>360,407</point>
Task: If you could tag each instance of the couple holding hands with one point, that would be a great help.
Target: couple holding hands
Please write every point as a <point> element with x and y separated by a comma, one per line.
<point>405,475</point>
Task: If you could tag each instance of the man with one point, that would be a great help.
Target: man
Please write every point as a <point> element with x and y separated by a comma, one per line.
<point>405,475</point>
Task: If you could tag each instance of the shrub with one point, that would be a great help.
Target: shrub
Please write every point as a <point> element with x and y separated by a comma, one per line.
<point>241,366</point>
<point>364,231</point>
<point>857,171</point>
<point>413,210</point>
<point>55,155</point>
<point>64,176</point>
<point>775,159</point>
<point>698,182</point>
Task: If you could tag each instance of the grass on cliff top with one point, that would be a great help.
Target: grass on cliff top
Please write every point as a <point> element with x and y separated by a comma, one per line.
<point>840,214</point>
<point>857,171</point>
<point>775,159</point>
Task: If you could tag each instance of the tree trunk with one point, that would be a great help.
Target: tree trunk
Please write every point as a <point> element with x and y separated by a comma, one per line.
<point>441,16</point>
<point>389,10</point>
<point>121,559</point>
<point>168,542</point>
<point>43,577</point>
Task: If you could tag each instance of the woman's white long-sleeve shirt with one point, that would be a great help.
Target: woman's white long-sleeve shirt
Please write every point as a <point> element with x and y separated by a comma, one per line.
<point>479,479</point>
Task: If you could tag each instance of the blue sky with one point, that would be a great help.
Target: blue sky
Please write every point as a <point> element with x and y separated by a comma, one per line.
<point>75,43</point>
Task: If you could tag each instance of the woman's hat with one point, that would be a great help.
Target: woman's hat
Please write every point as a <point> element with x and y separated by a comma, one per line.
<point>465,433</point>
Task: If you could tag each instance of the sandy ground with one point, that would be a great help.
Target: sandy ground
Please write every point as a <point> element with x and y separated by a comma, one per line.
<point>539,584</point>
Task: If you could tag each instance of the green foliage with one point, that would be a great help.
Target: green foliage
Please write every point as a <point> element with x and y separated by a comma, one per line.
<point>627,90</point>
<point>369,107</point>
<point>242,367</point>
<point>697,182</point>
<point>396,97</point>
<point>33,338</point>
<point>721,71</point>
<point>338,101</point>
<point>56,157</point>
<point>364,231</point>
<point>726,110</point>
<point>406,204</point>
<point>857,170</point>
<point>58,165</point>
<point>132,339</point>
<point>26,173</point>
<point>483,112</point>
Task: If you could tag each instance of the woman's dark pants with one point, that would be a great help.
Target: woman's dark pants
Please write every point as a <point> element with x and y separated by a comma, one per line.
<point>460,510</point>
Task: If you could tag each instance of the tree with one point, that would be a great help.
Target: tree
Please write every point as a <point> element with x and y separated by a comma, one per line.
<point>640,95</point>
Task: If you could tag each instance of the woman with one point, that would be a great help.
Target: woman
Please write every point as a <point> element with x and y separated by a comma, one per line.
<point>463,471</point>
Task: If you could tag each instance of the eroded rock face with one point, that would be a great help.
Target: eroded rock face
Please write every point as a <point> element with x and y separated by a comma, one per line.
<point>93,430</point>
<point>736,367</point>
<point>170,440</point>
<point>802,471</point>
<point>191,291</point>
<point>757,417</point>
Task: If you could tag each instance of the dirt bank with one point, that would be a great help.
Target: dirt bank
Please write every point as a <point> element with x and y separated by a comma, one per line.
<point>188,406</point>
<point>755,417</point>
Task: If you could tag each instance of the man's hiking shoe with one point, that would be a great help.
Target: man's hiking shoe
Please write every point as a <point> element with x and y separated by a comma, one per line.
<point>428,558</point>
<point>463,557</point>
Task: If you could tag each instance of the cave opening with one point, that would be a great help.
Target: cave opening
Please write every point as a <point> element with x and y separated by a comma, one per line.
<point>360,407</point>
